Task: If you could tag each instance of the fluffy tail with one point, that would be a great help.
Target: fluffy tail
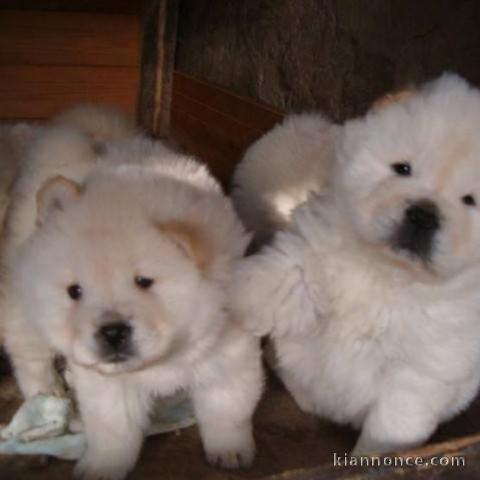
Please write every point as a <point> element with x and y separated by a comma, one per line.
<point>100,123</point>
<point>278,172</point>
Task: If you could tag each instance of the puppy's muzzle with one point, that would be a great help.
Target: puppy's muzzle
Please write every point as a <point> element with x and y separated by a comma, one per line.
<point>416,233</point>
<point>114,337</point>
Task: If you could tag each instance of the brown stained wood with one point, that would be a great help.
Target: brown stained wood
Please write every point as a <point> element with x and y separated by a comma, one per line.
<point>68,38</point>
<point>113,6</point>
<point>158,55</point>
<point>226,127</point>
<point>216,125</point>
<point>38,92</point>
<point>249,112</point>
<point>199,140</point>
<point>467,447</point>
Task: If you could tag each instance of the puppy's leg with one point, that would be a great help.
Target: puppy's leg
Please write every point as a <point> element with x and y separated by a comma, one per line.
<point>224,406</point>
<point>31,357</point>
<point>403,418</point>
<point>114,413</point>
<point>271,292</point>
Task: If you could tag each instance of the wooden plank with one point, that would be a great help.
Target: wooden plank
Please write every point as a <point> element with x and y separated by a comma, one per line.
<point>467,448</point>
<point>158,55</point>
<point>200,140</point>
<point>39,92</point>
<point>217,125</point>
<point>249,112</point>
<point>225,127</point>
<point>117,6</point>
<point>65,38</point>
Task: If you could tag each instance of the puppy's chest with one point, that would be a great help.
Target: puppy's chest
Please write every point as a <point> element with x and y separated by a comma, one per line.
<point>359,302</point>
<point>380,314</point>
<point>164,380</point>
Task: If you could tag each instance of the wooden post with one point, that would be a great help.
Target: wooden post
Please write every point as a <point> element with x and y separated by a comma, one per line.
<point>159,19</point>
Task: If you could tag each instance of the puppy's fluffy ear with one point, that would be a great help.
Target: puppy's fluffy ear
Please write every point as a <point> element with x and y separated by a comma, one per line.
<point>55,194</point>
<point>392,98</point>
<point>191,240</point>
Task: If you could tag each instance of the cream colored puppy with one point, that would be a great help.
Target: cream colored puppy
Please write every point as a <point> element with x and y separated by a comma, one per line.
<point>371,296</point>
<point>60,147</point>
<point>102,124</point>
<point>126,276</point>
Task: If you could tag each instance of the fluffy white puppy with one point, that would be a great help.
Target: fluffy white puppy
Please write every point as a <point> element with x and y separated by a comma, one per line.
<point>99,123</point>
<point>34,153</point>
<point>371,295</point>
<point>278,172</point>
<point>126,276</point>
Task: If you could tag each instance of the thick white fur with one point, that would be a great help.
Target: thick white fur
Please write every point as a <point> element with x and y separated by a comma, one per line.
<point>31,153</point>
<point>59,147</point>
<point>364,334</point>
<point>278,172</point>
<point>113,229</point>
<point>36,153</point>
<point>100,123</point>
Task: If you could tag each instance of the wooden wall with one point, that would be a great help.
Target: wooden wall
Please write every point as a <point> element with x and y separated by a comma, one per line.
<point>66,53</point>
<point>216,125</point>
<point>55,53</point>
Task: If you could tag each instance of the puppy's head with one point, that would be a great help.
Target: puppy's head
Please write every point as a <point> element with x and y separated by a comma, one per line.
<point>112,287</point>
<point>408,176</point>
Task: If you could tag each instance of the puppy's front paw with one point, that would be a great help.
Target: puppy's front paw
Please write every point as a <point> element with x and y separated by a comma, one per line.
<point>91,467</point>
<point>230,449</point>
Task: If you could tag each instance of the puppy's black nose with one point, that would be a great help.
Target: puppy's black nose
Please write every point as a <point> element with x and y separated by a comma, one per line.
<point>116,335</point>
<point>416,232</point>
<point>424,215</point>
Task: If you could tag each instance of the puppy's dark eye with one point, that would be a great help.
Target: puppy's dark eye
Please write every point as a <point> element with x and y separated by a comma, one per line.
<point>402,168</point>
<point>469,200</point>
<point>143,282</point>
<point>75,291</point>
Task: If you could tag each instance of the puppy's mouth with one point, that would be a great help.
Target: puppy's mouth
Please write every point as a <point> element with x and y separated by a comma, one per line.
<point>415,235</point>
<point>111,365</point>
<point>116,357</point>
<point>130,365</point>
<point>114,338</point>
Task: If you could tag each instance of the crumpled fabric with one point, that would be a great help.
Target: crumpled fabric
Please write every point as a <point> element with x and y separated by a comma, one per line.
<point>48,425</point>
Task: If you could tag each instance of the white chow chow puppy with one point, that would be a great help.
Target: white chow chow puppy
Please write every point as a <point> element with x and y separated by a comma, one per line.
<point>371,295</point>
<point>126,276</point>
<point>63,146</point>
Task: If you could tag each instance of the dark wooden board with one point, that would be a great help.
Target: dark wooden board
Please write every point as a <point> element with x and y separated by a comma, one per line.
<point>157,62</point>
<point>113,6</point>
<point>217,125</point>
<point>68,38</point>
<point>36,92</point>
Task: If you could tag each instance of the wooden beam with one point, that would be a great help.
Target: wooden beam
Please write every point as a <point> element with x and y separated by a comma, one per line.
<point>464,455</point>
<point>112,6</point>
<point>157,61</point>
<point>69,38</point>
<point>217,125</point>
<point>39,92</point>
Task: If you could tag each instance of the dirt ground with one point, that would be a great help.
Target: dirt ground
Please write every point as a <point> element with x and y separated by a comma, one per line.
<point>286,438</point>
